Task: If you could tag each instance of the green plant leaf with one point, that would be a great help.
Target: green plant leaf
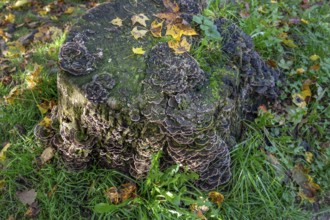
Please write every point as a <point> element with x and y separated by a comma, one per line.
<point>103,208</point>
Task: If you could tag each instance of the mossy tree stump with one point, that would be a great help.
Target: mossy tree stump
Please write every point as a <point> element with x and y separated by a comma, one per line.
<point>121,108</point>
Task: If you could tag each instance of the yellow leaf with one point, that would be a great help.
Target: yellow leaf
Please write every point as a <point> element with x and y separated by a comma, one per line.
<point>20,3</point>
<point>273,1</point>
<point>300,71</point>
<point>69,10</point>
<point>315,67</point>
<point>262,10</point>
<point>46,121</point>
<point>289,43</point>
<point>10,18</point>
<point>304,21</point>
<point>117,21</point>
<point>309,157</point>
<point>179,47</point>
<point>45,106</point>
<point>138,50</point>
<point>174,31</point>
<point>283,35</point>
<point>156,28</point>
<point>187,30</point>
<point>2,184</point>
<point>138,33</point>
<point>305,90</point>
<point>314,57</point>
<point>16,91</point>
<point>216,197</point>
<point>140,18</point>
<point>298,100</point>
<point>3,152</point>
<point>33,78</point>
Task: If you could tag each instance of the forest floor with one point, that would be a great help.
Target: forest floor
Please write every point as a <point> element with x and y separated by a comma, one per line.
<point>280,168</point>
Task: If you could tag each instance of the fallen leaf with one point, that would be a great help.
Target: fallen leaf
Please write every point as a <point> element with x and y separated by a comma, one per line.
<point>127,191</point>
<point>309,156</point>
<point>216,198</point>
<point>156,28</point>
<point>262,108</point>
<point>10,18</point>
<point>314,57</point>
<point>138,50</point>
<point>47,155</point>
<point>33,78</point>
<point>315,67</point>
<point>113,195</point>
<point>304,21</point>
<point>272,63</point>
<point>289,43</point>
<point>2,184</point>
<point>19,3</point>
<point>140,18</point>
<point>308,187</point>
<point>299,100</point>
<point>27,196</point>
<point>199,210</point>
<point>174,31</point>
<point>11,217</point>
<point>138,33</point>
<point>117,21</point>
<point>14,92</point>
<point>179,47</point>
<point>172,6</point>
<point>305,89</point>
<point>46,106</point>
<point>52,191</point>
<point>168,16</point>
<point>69,10</point>
<point>46,121</point>
<point>3,152</point>
<point>32,211</point>
<point>300,71</point>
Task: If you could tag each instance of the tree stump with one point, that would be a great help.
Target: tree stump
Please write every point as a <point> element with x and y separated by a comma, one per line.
<point>121,108</point>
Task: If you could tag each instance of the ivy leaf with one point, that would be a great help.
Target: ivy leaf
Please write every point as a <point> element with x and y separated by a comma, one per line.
<point>140,18</point>
<point>138,33</point>
<point>138,50</point>
<point>117,21</point>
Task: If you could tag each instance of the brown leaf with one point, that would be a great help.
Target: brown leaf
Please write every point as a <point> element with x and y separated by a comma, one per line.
<point>32,211</point>
<point>315,67</point>
<point>216,197</point>
<point>47,155</point>
<point>170,17</point>
<point>27,196</point>
<point>127,191</point>
<point>113,195</point>
<point>156,28</point>
<point>14,92</point>
<point>172,6</point>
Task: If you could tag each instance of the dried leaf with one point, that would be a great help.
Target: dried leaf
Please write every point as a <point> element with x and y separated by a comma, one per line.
<point>47,155</point>
<point>156,28</point>
<point>3,152</point>
<point>14,92</point>
<point>127,191</point>
<point>46,121</point>
<point>138,33</point>
<point>113,195</point>
<point>315,67</point>
<point>10,18</point>
<point>138,50</point>
<point>174,31</point>
<point>27,196</point>
<point>308,187</point>
<point>117,21</point>
<point>32,211</point>
<point>33,78</point>
<point>299,100</point>
<point>216,197</point>
<point>168,16</point>
<point>20,3</point>
<point>179,47</point>
<point>309,157</point>
<point>46,106</point>
<point>172,6</point>
<point>140,18</point>
<point>289,43</point>
<point>314,57</point>
<point>69,10</point>
<point>304,21</point>
<point>300,71</point>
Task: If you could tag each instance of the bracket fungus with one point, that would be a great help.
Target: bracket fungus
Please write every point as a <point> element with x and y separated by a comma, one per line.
<point>124,108</point>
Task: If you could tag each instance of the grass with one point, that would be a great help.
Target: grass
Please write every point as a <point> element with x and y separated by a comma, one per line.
<point>262,186</point>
